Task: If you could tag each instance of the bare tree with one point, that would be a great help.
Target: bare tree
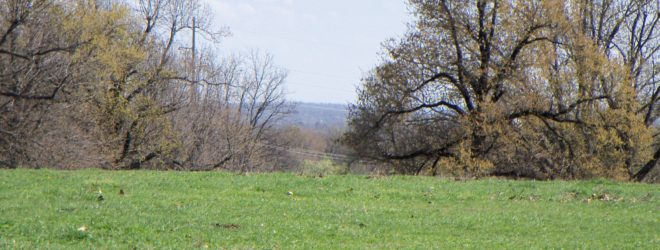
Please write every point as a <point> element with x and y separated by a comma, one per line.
<point>228,125</point>
<point>43,59</point>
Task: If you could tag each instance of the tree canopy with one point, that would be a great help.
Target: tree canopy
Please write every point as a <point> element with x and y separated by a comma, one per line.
<point>545,89</point>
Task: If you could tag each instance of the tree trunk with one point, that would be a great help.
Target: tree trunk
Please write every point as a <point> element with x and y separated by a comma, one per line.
<point>650,165</point>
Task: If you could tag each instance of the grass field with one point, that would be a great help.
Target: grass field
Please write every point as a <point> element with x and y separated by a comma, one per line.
<point>183,210</point>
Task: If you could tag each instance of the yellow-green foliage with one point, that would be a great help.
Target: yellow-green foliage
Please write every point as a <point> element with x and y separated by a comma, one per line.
<point>498,86</point>
<point>117,59</point>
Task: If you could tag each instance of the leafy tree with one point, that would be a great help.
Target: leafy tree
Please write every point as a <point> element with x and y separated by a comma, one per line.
<point>505,88</point>
<point>140,82</point>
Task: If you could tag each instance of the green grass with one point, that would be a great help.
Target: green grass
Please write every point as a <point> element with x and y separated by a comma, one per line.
<point>182,210</point>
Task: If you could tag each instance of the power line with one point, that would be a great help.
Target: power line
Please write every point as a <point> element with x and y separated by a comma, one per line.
<point>316,154</point>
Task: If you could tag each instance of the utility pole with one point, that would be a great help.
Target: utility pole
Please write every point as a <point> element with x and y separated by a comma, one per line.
<point>193,100</point>
<point>193,87</point>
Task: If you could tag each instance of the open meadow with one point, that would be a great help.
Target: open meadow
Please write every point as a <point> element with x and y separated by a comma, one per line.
<point>186,210</point>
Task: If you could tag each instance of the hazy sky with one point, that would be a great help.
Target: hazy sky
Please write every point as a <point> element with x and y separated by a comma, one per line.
<point>325,44</point>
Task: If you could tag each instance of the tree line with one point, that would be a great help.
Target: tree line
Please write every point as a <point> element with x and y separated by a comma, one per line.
<point>113,84</point>
<point>541,89</point>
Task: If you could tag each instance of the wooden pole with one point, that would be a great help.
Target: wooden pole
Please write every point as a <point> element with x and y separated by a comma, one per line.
<point>193,88</point>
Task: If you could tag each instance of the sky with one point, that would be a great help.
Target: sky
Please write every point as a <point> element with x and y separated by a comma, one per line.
<point>326,45</point>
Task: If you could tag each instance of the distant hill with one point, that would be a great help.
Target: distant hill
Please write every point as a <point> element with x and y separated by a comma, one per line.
<point>317,116</point>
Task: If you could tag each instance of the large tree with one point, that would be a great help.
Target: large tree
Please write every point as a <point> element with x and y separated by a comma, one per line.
<point>505,87</point>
